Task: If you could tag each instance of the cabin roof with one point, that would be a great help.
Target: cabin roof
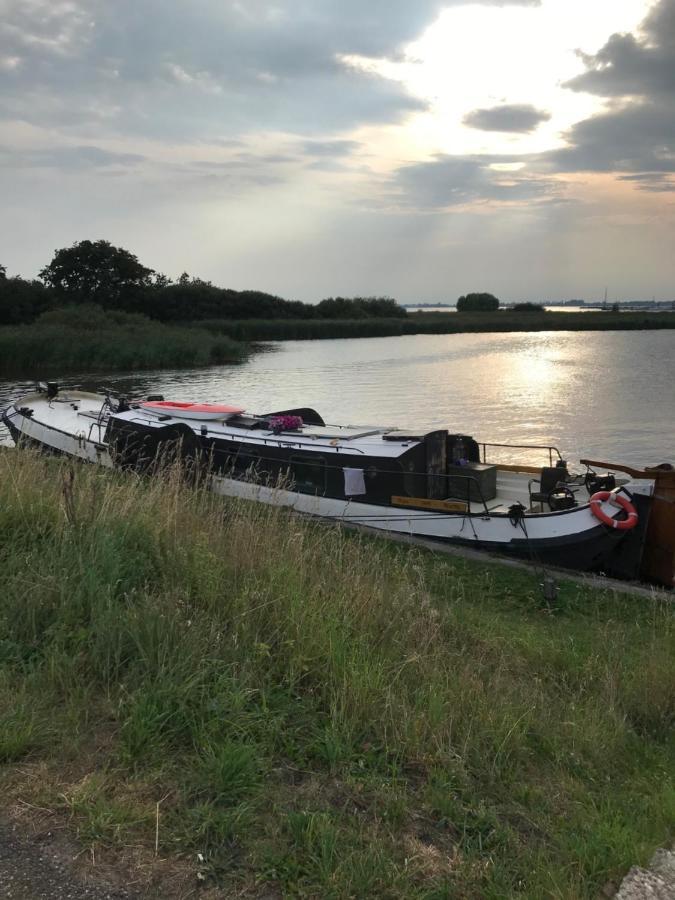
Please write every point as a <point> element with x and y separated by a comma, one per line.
<point>364,440</point>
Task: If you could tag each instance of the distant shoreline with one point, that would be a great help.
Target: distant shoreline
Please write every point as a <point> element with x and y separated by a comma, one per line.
<point>637,306</point>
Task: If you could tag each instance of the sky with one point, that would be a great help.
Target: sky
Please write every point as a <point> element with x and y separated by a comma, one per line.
<point>418,149</point>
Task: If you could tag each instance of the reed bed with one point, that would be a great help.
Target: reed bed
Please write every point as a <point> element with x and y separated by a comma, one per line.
<point>306,329</point>
<point>282,705</point>
<point>436,323</point>
<point>89,338</point>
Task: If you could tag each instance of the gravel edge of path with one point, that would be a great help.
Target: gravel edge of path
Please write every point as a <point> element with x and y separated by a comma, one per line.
<point>34,868</point>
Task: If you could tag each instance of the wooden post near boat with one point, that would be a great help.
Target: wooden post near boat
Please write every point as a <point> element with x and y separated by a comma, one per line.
<point>658,558</point>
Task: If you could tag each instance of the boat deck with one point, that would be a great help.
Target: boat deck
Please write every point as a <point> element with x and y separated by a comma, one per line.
<point>76,413</point>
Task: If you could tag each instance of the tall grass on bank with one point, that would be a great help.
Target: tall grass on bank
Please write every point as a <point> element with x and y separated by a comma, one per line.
<point>306,329</point>
<point>87,337</point>
<point>317,711</point>
<point>436,323</point>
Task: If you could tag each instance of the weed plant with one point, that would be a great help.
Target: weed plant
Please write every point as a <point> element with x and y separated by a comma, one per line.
<point>286,705</point>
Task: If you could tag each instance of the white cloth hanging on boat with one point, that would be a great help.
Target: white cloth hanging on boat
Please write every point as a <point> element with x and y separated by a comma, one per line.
<point>355,483</point>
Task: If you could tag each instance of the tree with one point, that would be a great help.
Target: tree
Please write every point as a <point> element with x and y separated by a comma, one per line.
<point>359,308</point>
<point>96,272</point>
<point>477,303</point>
<point>22,301</point>
<point>3,271</point>
<point>160,280</point>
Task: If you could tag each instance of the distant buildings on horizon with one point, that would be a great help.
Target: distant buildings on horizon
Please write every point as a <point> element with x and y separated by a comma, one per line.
<point>596,304</point>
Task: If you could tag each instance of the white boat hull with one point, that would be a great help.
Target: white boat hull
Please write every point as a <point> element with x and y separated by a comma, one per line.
<point>553,535</point>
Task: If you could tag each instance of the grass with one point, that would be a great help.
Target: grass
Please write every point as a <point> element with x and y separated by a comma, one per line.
<point>88,338</point>
<point>436,323</point>
<point>284,706</point>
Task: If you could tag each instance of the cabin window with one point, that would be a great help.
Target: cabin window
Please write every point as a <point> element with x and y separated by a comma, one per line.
<point>309,474</point>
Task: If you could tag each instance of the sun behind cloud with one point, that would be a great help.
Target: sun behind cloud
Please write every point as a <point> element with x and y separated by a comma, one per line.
<point>474,57</point>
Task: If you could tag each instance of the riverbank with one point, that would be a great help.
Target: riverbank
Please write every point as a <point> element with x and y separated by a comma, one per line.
<point>89,338</point>
<point>436,323</point>
<point>208,692</point>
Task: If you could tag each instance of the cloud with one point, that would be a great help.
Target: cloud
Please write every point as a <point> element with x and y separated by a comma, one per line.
<point>56,29</point>
<point>637,134</point>
<point>633,139</point>
<point>330,148</point>
<point>164,68</point>
<point>654,182</point>
<point>515,117</point>
<point>68,158</point>
<point>450,181</point>
<point>170,69</point>
<point>637,138</point>
<point>630,66</point>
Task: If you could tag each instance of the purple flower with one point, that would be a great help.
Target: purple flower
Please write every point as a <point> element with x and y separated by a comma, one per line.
<point>285,423</point>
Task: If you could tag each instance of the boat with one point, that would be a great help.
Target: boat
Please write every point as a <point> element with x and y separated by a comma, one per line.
<point>436,485</point>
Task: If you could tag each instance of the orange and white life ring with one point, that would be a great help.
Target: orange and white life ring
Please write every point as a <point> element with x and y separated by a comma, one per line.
<point>626,524</point>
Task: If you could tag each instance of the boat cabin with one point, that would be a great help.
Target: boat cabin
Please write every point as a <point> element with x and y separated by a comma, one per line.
<point>369,463</point>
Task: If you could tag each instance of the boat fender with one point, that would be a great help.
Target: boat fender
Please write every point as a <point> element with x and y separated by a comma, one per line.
<point>601,497</point>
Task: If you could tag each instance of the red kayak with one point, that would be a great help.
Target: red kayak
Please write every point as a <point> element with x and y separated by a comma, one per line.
<point>192,410</point>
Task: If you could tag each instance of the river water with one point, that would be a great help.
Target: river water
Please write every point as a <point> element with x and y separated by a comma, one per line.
<point>603,395</point>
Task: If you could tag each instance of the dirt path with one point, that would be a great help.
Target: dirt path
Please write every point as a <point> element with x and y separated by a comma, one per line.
<point>32,869</point>
<point>35,868</point>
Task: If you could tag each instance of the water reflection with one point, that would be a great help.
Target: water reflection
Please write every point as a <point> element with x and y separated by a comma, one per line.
<point>590,393</point>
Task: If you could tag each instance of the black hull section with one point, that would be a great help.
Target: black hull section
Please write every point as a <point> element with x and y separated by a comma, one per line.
<point>139,447</point>
<point>590,552</point>
<point>602,550</point>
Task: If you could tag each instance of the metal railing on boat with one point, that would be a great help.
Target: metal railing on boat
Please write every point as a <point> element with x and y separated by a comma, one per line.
<point>549,448</point>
